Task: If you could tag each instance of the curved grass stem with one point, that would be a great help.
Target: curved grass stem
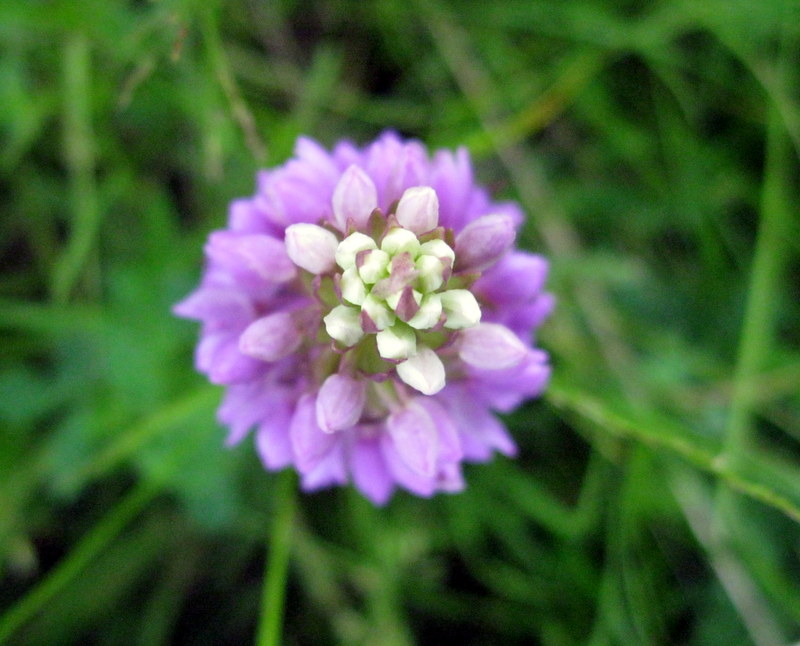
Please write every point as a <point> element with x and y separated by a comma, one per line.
<point>275,574</point>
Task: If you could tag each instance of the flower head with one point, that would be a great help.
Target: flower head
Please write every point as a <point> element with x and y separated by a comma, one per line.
<point>366,311</point>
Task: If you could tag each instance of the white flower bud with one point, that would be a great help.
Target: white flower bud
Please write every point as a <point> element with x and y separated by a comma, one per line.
<point>418,209</point>
<point>429,312</point>
<point>373,266</point>
<point>460,308</point>
<point>311,247</point>
<point>431,273</point>
<point>353,289</point>
<point>400,240</point>
<point>393,300</point>
<point>343,323</point>
<point>377,310</point>
<point>348,248</point>
<point>396,342</point>
<point>438,248</point>
<point>423,372</point>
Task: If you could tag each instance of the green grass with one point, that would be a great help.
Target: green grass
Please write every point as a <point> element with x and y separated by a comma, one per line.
<point>655,148</point>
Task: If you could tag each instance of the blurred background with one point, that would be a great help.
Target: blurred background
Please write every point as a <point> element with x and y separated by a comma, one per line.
<point>654,147</point>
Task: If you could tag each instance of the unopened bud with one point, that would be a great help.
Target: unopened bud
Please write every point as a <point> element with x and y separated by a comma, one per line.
<point>461,309</point>
<point>398,241</point>
<point>311,247</point>
<point>340,402</point>
<point>343,323</point>
<point>481,243</point>
<point>491,346</point>
<point>353,289</point>
<point>431,273</point>
<point>430,310</point>
<point>418,209</point>
<point>437,248</point>
<point>372,265</point>
<point>348,249</point>
<point>270,338</point>
<point>354,199</point>
<point>380,315</point>
<point>423,372</point>
<point>396,342</point>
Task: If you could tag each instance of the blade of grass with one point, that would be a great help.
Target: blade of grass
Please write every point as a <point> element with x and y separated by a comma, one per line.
<point>86,550</point>
<point>764,293</point>
<point>756,339</point>
<point>222,70</point>
<point>129,441</point>
<point>756,475</point>
<point>79,156</point>
<point>278,552</point>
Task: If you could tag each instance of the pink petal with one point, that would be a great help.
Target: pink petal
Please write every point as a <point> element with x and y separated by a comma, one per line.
<point>311,247</point>
<point>271,337</point>
<point>309,444</point>
<point>402,474</point>
<point>272,437</point>
<point>340,402</point>
<point>418,209</point>
<point>370,473</point>
<point>262,255</point>
<point>483,241</point>
<point>491,346</point>
<point>449,444</point>
<point>354,199</point>
<point>415,438</point>
<point>330,470</point>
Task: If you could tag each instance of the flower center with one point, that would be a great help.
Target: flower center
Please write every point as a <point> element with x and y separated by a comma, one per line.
<point>395,290</point>
<point>397,299</point>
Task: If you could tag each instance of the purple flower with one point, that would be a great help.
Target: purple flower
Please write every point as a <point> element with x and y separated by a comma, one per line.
<point>367,311</point>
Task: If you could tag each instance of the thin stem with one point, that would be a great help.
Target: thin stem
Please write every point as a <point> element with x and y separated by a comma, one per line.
<point>275,573</point>
<point>763,297</point>
<point>80,160</point>
<point>88,548</point>
<point>765,286</point>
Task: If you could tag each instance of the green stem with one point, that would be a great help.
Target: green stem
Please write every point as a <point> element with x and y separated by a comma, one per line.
<point>80,160</point>
<point>278,551</point>
<point>764,293</point>
<point>91,545</point>
<point>763,297</point>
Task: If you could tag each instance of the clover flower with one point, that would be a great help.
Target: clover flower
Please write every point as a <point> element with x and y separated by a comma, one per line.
<point>367,312</point>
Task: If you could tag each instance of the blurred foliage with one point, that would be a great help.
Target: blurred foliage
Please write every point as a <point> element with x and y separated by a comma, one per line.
<point>655,145</point>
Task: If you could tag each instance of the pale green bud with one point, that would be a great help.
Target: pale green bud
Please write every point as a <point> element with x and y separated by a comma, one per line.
<point>350,246</point>
<point>460,308</point>
<point>374,266</point>
<point>431,273</point>
<point>311,247</point>
<point>393,300</point>
<point>430,310</point>
<point>343,323</point>
<point>438,248</point>
<point>377,310</point>
<point>400,240</point>
<point>353,289</point>
<point>396,342</point>
<point>423,372</point>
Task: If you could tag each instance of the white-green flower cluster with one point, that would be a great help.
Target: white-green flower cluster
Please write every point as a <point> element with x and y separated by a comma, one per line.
<point>378,283</point>
<point>397,287</point>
